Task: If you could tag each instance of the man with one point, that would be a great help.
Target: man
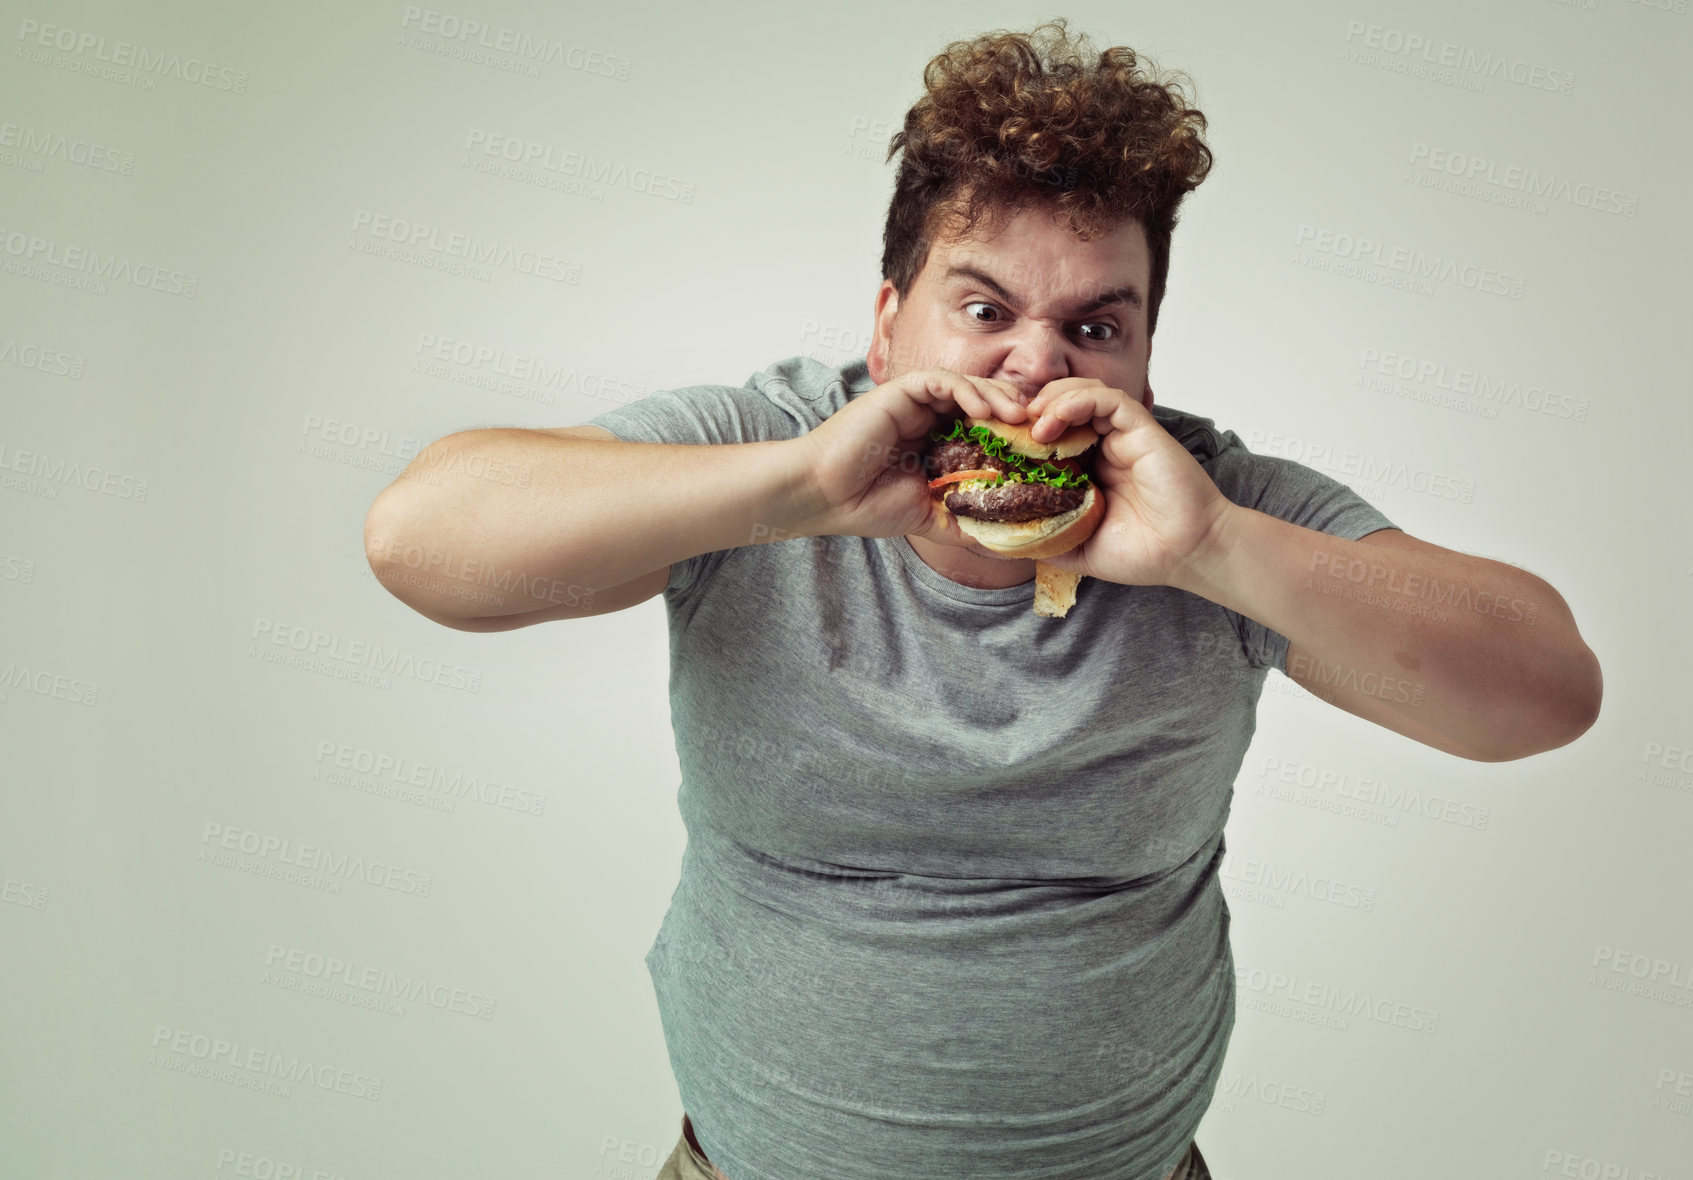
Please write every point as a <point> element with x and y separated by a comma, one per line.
<point>949,905</point>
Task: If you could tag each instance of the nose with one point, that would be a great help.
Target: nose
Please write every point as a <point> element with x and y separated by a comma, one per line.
<point>1038,354</point>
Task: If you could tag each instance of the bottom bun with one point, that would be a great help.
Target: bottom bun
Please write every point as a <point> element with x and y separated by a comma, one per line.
<point>1039,539</point>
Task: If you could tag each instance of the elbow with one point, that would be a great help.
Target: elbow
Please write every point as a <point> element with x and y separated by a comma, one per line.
<point>1585,691</point>
<point>1567,708</point>
<point>395,555</point>
<point>386,546</point>
<point>397,507</point>
<point>379,527</point>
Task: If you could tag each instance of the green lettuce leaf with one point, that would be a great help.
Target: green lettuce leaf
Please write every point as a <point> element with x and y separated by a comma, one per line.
<point>1026,470</point>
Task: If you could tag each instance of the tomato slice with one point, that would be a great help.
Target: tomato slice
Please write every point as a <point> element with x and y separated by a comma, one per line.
<point>956,476</point>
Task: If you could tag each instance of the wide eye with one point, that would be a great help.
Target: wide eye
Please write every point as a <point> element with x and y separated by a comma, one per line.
<point>981,303</point>
<point>1109,331</point>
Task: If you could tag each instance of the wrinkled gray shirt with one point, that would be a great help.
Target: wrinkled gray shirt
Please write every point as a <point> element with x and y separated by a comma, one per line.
<point>949,905</point>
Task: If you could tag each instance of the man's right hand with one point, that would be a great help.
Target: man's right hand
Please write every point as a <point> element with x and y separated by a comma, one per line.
<point>866,461</point>
<point>579,523</point>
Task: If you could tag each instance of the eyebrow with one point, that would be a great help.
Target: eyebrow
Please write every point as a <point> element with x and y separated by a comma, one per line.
<point>1128,293</point>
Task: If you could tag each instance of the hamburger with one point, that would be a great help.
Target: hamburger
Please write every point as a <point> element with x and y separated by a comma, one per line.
<point>1011,494</point>
<point>1018,497</point>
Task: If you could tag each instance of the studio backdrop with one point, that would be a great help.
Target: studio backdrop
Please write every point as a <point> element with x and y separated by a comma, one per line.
<point>295,882</point>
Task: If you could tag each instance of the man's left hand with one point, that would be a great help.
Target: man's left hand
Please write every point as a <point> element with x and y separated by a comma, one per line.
<point>1161,508</point>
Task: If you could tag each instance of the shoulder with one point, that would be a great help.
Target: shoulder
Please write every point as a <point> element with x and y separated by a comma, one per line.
<point>1202,437</point>
<point>784,400</point>
<point>1271,483</point>
<point>811,388</point>
<point>1245,476</point>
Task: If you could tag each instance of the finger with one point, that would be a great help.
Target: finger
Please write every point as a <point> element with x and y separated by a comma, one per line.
<point>1108,409</point>
<point>915,399</point>
<point>1002,398</point>
<point>944,391</point>
<point>1056,389</point>
<point>979,397</point>
<point>1073,408</point>
<point>941,527</point>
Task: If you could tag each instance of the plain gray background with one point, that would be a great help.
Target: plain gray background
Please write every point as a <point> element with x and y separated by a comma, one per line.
<point>196,659</point>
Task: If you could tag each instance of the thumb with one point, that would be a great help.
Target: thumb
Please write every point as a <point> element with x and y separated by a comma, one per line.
<point>938,525</point>
<point>941,527</point>
<point>1070,560</point>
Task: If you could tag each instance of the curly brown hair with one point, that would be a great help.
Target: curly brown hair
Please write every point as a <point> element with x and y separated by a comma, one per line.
<point>1012,119</point>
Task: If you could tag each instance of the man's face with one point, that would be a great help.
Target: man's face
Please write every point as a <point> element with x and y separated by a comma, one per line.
<point>1027,306</point>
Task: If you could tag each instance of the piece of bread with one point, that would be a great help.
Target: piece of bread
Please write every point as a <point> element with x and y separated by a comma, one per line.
<point>1017,436</point>
<point>1055,590</point>
<point>1047,537</point>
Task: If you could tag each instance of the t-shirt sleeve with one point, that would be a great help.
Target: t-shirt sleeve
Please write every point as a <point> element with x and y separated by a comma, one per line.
<point>698,415</point>
<point>1289,491</point>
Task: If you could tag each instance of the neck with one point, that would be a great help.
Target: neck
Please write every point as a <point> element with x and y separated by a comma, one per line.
<point>968,568</point>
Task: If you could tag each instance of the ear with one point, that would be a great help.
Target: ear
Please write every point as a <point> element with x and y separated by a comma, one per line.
<point>1146,398</point>
<point>883,313</point>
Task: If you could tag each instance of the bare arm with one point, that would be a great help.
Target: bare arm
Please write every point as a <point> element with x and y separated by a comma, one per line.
<point>1502,674</point>
<point>488,530</point>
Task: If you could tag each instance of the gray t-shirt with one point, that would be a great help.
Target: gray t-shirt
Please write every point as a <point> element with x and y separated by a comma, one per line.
<point>949,905</point>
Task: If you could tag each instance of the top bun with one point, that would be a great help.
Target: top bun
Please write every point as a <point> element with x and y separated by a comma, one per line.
<point>1018,438</point>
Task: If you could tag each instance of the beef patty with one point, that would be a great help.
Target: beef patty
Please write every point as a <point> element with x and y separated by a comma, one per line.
<point>1010,502</point>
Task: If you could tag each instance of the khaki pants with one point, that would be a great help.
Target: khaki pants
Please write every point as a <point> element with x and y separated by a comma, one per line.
<point>688,1162</point>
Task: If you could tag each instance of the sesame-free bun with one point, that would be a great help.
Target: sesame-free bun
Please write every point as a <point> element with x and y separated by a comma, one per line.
<point>1018,437</point>
<point>1043,538</point>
